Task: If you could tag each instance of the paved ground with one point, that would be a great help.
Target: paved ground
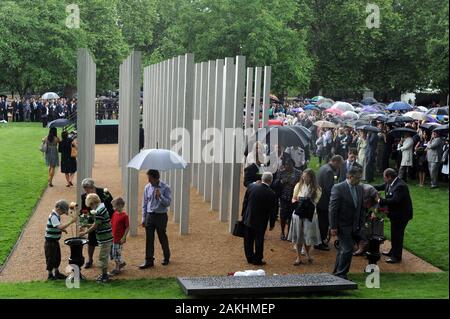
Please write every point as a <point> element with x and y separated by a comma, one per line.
<point>208,249</point>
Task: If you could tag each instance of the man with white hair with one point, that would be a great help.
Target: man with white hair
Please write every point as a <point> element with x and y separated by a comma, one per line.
<point>260,206</point>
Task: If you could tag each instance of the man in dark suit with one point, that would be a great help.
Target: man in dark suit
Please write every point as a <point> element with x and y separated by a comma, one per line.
<point>400,211</point>
<point>346,218</point>
<point>371,149</point>
<point>328,175</point>
<point>259,207</point>
<point>106,198</point>
<point>348,164</point>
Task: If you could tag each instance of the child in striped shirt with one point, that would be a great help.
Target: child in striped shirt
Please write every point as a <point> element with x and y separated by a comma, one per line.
<point>103,233</point>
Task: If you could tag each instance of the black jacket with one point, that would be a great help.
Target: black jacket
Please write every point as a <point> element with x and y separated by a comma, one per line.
<point>105,198</point>
<point>260,206</point>
<point>326,180</point>
<point>343,215</point>
<point>398,200</point>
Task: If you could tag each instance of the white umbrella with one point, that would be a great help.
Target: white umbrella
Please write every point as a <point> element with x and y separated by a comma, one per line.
<point>325,124</point>
<point>158,159</point>
<point>422,109</point>
<point>417,115</point>
<point>350,115</point>
<point>343,106</point>
<point>50,96</point>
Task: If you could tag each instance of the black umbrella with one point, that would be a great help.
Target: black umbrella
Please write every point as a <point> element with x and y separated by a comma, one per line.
<point>369,101</point>
<point>368,128</point>
<point>58,123</point>
<point>402,130</point>
<point>303,129</point>
<point>357,104</point>
<point>357,123</point>
<point>429,126</point>
<point>283,135</point>
<point>399,119</point>
<point>441,129</point>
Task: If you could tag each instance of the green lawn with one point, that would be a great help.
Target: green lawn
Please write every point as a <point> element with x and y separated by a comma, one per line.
<point>428,232</point>
<point>23,177</point>
<point>392,286</point>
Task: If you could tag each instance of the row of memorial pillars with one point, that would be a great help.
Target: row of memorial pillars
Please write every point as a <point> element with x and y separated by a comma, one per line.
<point>129,105</point>
<point>168,105</point>
<point>86,88</point>
<point>179,94</point>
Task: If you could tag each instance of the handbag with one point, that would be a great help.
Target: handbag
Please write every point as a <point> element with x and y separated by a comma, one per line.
<point>305,208</point>
<point>73,151</point>
<point>239,229</point>
<point>43,147</point>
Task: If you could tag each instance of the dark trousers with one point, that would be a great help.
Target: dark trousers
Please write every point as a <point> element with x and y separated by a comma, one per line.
<point>156,222</point>
<point>397,234</point>
<point>52,254</point>
<point>404,172</point>
<point>344,255</point>
<point>254,244</point>
<point>370,169</point>
<point>322,217</point>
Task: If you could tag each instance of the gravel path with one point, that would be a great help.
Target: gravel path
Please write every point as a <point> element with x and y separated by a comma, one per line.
<point>208,249</point>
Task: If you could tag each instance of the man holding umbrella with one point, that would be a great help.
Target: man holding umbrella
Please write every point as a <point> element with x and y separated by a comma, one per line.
<point>434,154</point>
<point>155,205</point>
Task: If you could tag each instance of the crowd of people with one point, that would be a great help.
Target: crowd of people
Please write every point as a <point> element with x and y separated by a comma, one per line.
<point>36,110</point>
<point>339,199</point>
<point>313,208</point>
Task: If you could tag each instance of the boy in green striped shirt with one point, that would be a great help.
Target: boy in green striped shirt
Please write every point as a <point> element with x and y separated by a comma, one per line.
<point>53,232</point>
<point>103,232</point>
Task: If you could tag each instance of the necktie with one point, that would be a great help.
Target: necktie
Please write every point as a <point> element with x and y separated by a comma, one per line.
<point>354,195</point>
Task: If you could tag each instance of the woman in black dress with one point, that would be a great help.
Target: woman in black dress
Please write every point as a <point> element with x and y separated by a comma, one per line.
<point>68,163</point>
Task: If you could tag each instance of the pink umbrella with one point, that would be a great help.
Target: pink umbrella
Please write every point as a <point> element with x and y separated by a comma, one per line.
<point>335,111</point>
<point>272,123</point>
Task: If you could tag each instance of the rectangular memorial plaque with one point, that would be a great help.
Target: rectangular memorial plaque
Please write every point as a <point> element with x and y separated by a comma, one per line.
<point>253,285</point>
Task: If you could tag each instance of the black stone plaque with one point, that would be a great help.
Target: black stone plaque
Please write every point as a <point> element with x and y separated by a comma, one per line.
<point>255,285</point>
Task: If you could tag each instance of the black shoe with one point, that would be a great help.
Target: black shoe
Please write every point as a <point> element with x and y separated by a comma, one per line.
<point>322,247</point>
<point>88,265</point>
<point>165,262</point>
<point>393,260</point>
<point>259,263</point>
<point>59,275</point>
<point>103,278</point>
<point>51,277</point>
<point>146,265</point>
<point>386,253</point>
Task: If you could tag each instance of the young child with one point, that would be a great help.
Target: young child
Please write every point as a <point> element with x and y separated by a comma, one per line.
<point>103,233</point>
<point>120,227</point>
<point>53,235</point>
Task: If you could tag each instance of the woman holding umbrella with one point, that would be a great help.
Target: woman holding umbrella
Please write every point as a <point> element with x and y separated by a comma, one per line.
<point>68,162</point>
<point>406,147</point>
<point>361,147</point>
<point>51,155</point>
<point>421,155</point>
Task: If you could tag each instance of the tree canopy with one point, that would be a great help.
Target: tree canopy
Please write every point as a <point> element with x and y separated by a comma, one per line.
<point>311,45</point>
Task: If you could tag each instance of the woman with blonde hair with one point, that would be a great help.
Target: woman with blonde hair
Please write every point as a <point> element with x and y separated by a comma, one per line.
<point>304,229</point>
<point>361,147</point>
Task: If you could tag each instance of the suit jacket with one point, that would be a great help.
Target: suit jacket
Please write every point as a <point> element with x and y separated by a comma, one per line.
<point>372,143</point>
<point>344,170</point>
<point>260,206</point>
<point>343,214</point>
<point>434,149</point>
<point>398,201</point>
<point>407,152</point>
<point>326,182</point>
<point>104,198</point>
